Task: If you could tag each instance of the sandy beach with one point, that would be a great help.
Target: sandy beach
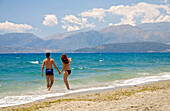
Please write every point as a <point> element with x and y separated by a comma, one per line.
<point>148,97</point>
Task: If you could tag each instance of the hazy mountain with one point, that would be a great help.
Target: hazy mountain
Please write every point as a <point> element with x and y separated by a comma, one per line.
<point>83,39</point>
<point>24,43</point>
<point>128,33</point>
<point>20,49</point>
<point>59,36</point>
<point>114,34</point>
<point>20,39</point>
<point>161,26</point>
<point>17,49</point>
<point>75,40</point>
<point>127,47</point>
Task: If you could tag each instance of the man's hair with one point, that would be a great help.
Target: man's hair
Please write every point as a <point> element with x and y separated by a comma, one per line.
<point>47,54</point>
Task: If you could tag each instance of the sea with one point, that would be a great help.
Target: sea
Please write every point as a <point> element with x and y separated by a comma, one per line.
<point>21,81</point>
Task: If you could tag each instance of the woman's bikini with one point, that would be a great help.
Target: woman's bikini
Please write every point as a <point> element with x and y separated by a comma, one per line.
<point>69,71</point>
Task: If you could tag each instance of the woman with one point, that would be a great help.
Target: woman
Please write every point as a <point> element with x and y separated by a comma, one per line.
<point>66,68</point>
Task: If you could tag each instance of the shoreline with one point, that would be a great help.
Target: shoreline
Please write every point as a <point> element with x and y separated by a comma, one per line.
<point>113,86</point>
<point>104,97</point>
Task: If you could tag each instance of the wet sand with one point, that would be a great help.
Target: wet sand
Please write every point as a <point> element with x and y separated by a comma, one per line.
<point>148,97</point>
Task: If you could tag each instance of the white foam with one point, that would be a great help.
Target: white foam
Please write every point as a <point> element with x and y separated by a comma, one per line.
<point>141,80</point>
<point>34,62</point>
<point>82,67</point>
<point>16,100</point>
<point>144,73</point>
<point>101,60</point>
<point>88,89</point>
<point>129,82</point>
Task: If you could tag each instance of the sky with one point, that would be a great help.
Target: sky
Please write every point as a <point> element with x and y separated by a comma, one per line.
<point>44,18</point>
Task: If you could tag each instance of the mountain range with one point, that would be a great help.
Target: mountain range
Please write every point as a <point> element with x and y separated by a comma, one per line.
<point>68,42</point>
<point>135,47</point>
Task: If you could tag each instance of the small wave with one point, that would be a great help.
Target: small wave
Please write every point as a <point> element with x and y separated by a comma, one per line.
<point>98,70</point>
<point>118,69</point>
<point>101,60</point>
<point>145,73</point>
<point>82,67</point>
<point>79,68</point>
<point>34,62</point>
<point>142,80</point>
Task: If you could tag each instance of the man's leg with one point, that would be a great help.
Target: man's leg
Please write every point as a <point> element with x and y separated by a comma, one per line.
<point>47,78</point>
<point>52,79</point>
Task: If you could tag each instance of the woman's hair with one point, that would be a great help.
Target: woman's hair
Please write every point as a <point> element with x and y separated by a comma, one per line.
<point>64,58</point>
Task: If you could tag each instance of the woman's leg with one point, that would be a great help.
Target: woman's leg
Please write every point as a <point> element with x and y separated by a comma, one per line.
<point>65,76</point>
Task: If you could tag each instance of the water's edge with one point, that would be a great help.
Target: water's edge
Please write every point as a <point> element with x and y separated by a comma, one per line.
<point>129,83</point>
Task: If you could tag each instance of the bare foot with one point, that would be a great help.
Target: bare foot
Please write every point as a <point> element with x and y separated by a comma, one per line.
<point>48,89</point>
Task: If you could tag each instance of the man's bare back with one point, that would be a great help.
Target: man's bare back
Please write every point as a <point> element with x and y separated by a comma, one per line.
<point>48,63</point>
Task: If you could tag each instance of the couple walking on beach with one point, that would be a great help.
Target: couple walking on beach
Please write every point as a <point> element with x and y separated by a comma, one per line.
<point>48,62</point>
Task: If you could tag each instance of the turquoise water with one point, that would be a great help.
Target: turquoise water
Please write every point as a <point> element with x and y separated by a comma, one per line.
<point>21,81</point>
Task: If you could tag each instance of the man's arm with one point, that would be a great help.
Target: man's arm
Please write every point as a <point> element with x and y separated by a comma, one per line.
<point>63,68</point>
<point>42,69</point>
<point>55,66</point>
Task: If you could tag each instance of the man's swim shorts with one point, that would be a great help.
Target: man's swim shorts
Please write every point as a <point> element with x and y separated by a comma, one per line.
<point>49,72</point>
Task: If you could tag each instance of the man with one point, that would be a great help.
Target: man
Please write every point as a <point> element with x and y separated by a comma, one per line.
<point>48,62</point>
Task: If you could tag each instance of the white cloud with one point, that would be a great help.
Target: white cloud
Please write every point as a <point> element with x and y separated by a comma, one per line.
<point>65,26</point>
<point>95,13</point>
<point>147,12</point>
<point>134,14</point>
<point>73,28</point>
<point>90,25</point>
<point>165,1</point>
<point>50,20</point>
<point>73,23</point>
<point>163,18</point>
<point>11,27</point>
<point>111,24</point>
<point>84,20</point>
<point>71,19</point>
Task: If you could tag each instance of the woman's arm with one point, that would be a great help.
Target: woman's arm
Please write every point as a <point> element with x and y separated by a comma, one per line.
<point>62,68</point>
<point>70,60</point>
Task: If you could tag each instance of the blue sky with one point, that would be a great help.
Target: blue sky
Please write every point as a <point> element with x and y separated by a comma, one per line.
<point>48,17</point>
